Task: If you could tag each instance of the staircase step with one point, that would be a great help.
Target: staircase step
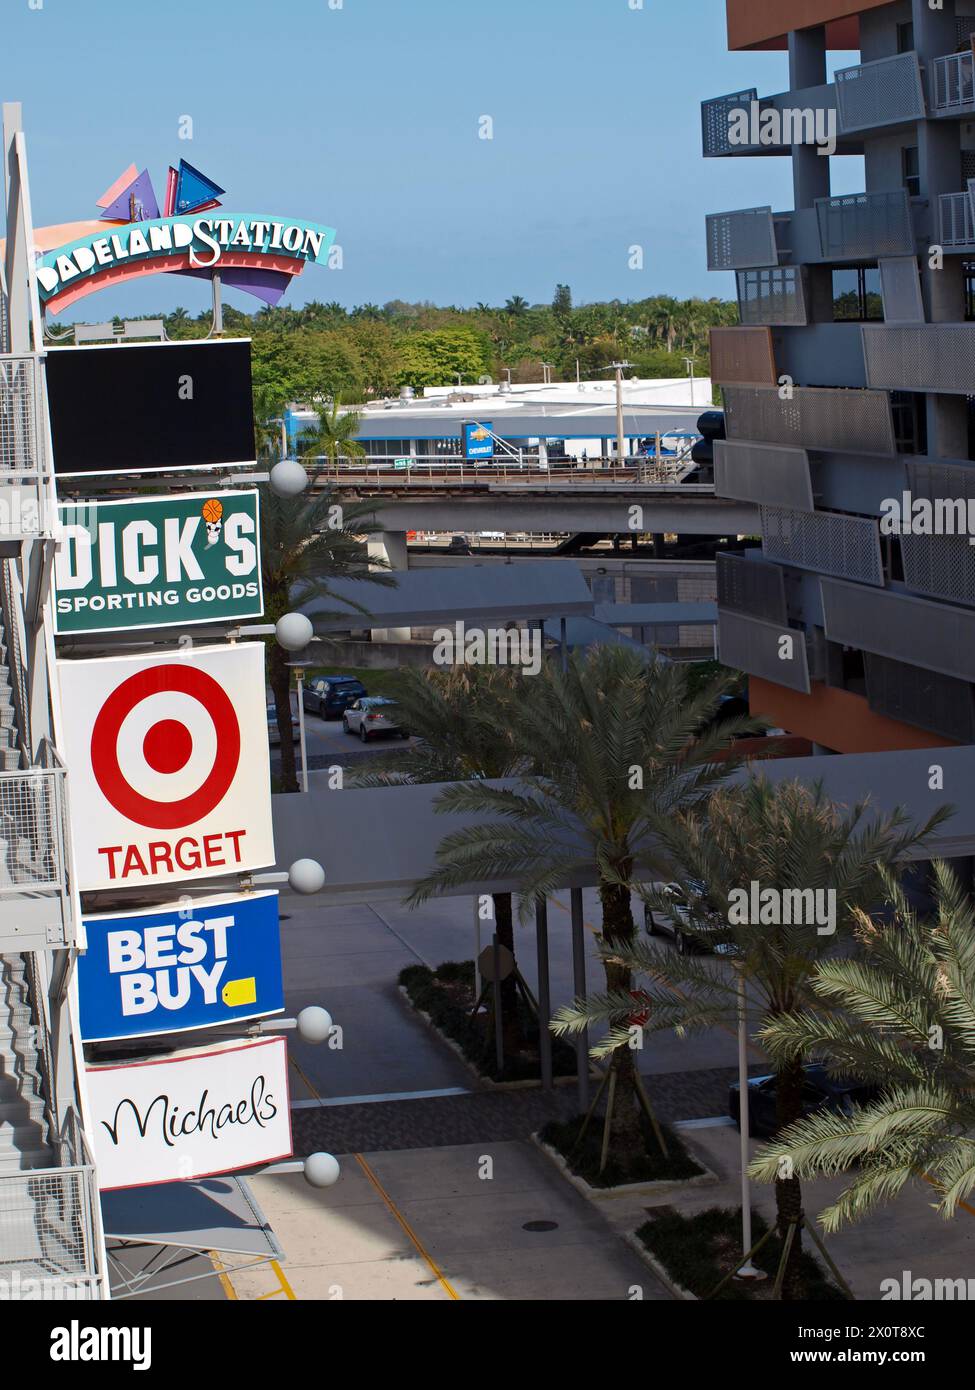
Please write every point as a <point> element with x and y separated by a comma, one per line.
<point>17,1161</point>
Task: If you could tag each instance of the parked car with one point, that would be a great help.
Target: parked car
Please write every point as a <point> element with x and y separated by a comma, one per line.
<point>373,716</point>
<point>273,733</point>
<point>331,696</point>
<point>696,938</point>
<point>820,1091</point>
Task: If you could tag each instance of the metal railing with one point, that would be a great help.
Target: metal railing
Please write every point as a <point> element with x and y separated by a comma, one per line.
<point>49,1232</point>
<point>952,81</point>
<point>10,633</point>
<point>433,471</point>
<point>957,221</point>
<point>25,508</point>
<point>888,91</point>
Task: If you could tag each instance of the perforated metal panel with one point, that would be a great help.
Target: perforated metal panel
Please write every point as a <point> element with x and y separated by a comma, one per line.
<point>941,704</point>
<point>753,588</point>
<point>957,222</point>
<point>934,480</point>
<point>941,566</point>
<point>763,473</point>
<point>827,542</point>
<point>716,118</point>
<point>816,417</point>
<point>772,652</point>
<point>912,630</point>
<point>864,226</point>
<point>931,357</point>
<point>741,240</point>
<point>886,92</point>
<point>900,285</point>
<point>743,355</point>
<point>773,295</point>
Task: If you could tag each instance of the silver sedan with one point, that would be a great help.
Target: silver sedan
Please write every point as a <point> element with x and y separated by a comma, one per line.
<point>372,716</point>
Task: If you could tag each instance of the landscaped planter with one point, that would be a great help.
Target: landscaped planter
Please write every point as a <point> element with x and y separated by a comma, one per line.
<point>444,998</point>
<point>680,1171</point>
<point>694,1253</point>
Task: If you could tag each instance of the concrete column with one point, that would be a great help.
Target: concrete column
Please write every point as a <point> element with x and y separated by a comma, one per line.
<point>391,547</point>
<point>807,68</point>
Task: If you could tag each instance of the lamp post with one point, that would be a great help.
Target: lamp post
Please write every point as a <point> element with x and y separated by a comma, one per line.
<point>747,1270</point>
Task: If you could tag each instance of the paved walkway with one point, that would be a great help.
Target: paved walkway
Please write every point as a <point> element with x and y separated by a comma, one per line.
<point>444,1224</point>
<point>488,1116</point>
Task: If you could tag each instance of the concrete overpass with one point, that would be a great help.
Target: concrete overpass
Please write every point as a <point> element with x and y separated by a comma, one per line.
<point>451,503</point>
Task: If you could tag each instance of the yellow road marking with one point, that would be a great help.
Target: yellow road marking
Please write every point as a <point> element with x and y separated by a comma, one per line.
<point>222,1274</point>
<point>285,1288</point>
<point>395,1211</point>
<point>312,1089</point>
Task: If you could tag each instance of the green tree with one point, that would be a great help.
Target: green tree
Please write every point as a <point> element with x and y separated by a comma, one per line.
<point>616,746</point>
<point>516,306</point>
<point>786,837</point>
<point>307,543</point>
<point>437,358</point>
<point>900,1015</point>
<point>336,436</point>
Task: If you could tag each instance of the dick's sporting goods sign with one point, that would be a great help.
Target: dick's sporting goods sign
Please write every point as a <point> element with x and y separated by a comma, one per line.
<point>204,240</point>
<point>161,562</point>
<point>170,770</point>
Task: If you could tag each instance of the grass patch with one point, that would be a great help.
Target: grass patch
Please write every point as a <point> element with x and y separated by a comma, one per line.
<point>376,682</point>
<point>698,1251</point>
<point>646,1165</point>
<point>447,995</point>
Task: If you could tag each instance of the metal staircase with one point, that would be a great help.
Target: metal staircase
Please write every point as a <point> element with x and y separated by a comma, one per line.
<point>24,1130</point>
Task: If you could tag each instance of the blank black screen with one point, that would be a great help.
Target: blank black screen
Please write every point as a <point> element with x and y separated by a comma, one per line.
<point>123,409</point>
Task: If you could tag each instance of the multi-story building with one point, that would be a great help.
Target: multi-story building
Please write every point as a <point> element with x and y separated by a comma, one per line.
<point>851,380</point>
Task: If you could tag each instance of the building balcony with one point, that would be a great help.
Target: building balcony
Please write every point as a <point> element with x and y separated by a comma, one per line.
<point>881,94</point>
<point>956,222</point>
<point>766,474</point>
<point>914,631</point>
<point>951,85</point>
<point>852,227</point>
<point>757,647</point>
<point>938,357</point>
<point>825,543</point>
<point>743,356</point>
<point>743,123</point>
<point>811,417</point>
<point>26,505</point>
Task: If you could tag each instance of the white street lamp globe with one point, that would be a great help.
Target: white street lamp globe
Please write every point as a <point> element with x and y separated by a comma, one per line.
<point>288,478</point>
<point>306,876</point>
<point>293,632</point>
<point>322,1170</point>
<point>314,1024</point>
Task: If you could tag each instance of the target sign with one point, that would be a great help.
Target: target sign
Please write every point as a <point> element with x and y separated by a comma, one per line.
<point>170,777</point>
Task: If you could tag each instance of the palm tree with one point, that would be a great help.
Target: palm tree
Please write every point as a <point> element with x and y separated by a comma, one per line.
<point>516,306</point>
<point>899,1015</point>
<point>306,542</point>
<point>460,719</point>
<point>267,432</point>
<point>787,837</point>
<point>616,745</point>
<point>336,437</point>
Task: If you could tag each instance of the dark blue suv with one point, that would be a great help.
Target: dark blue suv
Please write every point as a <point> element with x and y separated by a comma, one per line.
<point>330,696</point>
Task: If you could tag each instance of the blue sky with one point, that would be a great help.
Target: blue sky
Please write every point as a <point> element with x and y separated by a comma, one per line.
<point>365,117</point>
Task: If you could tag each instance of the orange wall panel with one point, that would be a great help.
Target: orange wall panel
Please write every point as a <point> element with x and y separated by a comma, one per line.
<point>836,719</point>
<point>764,23</point>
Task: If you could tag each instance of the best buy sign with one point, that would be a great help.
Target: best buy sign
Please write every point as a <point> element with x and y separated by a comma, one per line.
<point>205,239</point>
<point>158,562</point>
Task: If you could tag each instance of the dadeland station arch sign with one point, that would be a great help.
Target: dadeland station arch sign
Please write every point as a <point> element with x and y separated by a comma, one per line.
<point>190,235</point>
<point>241,241</point>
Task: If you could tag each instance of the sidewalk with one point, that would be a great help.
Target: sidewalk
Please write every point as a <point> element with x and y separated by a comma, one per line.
<point>429,1224</point>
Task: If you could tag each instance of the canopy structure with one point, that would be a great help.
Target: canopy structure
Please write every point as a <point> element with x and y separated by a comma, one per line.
<point>183,1219</point>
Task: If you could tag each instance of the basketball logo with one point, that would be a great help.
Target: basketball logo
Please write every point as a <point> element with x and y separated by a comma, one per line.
<point>213,517</point>
<point>165,746</point>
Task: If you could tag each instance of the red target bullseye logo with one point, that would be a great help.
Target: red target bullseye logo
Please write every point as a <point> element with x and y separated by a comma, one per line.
<point>166,748</point>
